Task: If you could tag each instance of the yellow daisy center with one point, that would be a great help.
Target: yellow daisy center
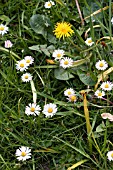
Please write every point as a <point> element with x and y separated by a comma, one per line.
<point>99,94</point>
<point>22,65</point>
<point>28,61</point>
<point>69,92</point>
<point>112,155</point>
<point>49,4</point>
<point>106,85</point>
<point>32,109</point>
<point>101,64</point>
<point>26,77</point>
<point>66,62</point>
<point>50,110</point>
<point>58,55</point>
<point>23,154</point>
<point>73,98</point>
<point>89,41</point>
<point>1,28</point>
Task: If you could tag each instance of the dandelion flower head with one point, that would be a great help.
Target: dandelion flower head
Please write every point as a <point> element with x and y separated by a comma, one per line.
<point>63,29</point>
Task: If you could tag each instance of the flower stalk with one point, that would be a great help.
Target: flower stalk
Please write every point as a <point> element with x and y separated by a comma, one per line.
<point>33,91</point>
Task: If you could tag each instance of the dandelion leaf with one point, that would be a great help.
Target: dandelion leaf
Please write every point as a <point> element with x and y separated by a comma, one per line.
<point>62,74</point>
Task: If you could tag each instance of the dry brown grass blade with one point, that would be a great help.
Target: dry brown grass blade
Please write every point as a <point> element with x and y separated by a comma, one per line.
<point>107,37</point>
<point>103,76</point>
<point>96,12</point>
<point>95,26</point>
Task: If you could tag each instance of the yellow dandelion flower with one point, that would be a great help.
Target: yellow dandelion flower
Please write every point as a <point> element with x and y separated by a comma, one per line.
<point>63,29</point>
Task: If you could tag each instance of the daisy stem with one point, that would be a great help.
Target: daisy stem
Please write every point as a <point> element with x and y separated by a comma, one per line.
<point>107,100</point>
<point>74,44</point>
<point>33,91</point>
<point>105,136</point>
<point>98,53</point>
<point>12,53</point>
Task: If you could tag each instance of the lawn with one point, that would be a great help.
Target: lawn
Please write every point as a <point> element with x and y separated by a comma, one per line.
<point>56,85</point>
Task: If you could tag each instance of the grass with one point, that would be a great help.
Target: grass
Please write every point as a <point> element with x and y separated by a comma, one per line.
<point>71,139</point>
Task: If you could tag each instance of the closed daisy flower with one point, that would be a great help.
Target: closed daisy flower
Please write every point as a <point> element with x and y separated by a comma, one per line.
<point>106,86</point>
<point>49,4</point>
<point>29,60</point>
<point>32,109</point>
<point>101,65</point>
<point>89,42</point>
<point>3,29</point>
<point>49,110</point>
<point>107,116</point>
<point>66,62</point>
<point>21,65</point>
<point>110,155</point>
<point>8,44</point>
<point>26,77</point>
<point>99,93</point>
<point>72,98</point>
<point>69,92</point>
<point>58,54</point>
<point>63,29</point>
<point>23,153</point>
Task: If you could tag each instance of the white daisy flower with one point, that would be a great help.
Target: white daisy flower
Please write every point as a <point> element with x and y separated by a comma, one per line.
<point>32,109</point>
<point>110,155</point>
<point>58,54</point>
<point>23,153</point>
<point>106,86</point>
<point>29,60</point>
<point>72,98</point>
<point>66,62</point>
<point>21,65</point>
<point>49,4</point>
<point>99,93</point>
<point>26,77</point>
<point>3,29</point>
<point>69,92</point>
<point>101,65</point>
<point>8,44</point>
<point>89,42</point>
<point>112,20</point>
<point>49,109</point>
